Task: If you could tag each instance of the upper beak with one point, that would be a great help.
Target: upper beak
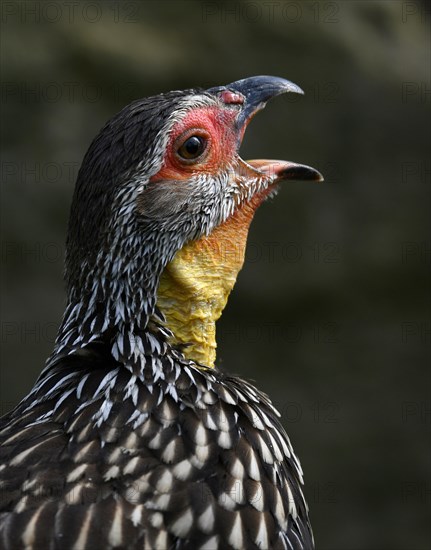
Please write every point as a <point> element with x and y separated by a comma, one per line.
<point>256,91</point>
<point>252,94</point>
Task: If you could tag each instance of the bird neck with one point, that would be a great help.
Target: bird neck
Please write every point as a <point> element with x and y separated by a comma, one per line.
<point>194,287</point>
<point>115,299</point>
<point>112,300</point>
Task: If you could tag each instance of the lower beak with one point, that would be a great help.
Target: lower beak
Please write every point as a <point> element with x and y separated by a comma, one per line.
<point>280,170</point>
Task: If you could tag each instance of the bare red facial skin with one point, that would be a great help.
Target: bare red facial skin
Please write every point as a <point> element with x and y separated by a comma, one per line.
<point>217,126</point>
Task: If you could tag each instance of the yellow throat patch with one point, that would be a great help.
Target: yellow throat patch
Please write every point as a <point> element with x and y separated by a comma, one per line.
<point>195,285</point>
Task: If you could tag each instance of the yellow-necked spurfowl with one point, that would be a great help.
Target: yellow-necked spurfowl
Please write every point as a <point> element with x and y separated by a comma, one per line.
<point>131,437</point>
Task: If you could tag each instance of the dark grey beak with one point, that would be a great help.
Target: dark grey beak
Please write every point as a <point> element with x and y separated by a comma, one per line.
<point>256,91</point>
<point>300,172</point>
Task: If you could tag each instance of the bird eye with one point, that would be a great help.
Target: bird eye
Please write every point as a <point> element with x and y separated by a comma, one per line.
<point>192,148</point>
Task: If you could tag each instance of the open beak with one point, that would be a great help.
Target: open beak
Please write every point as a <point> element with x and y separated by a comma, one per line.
<point>252,94</point>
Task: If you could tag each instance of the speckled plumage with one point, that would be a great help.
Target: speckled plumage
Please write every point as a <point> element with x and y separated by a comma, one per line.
<point>124,442</point>
<point>179,455</point>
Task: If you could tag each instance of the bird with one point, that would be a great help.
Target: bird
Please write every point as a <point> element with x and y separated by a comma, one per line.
<point>132,437</point>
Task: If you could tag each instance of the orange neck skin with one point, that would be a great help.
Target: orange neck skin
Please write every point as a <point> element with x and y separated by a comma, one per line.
<point>195,285</point>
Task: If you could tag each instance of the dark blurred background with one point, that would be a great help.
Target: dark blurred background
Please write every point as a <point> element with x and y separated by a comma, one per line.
<point>330,313</point>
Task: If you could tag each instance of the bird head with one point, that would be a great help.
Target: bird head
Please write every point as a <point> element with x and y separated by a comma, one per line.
<point>161,211</point>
